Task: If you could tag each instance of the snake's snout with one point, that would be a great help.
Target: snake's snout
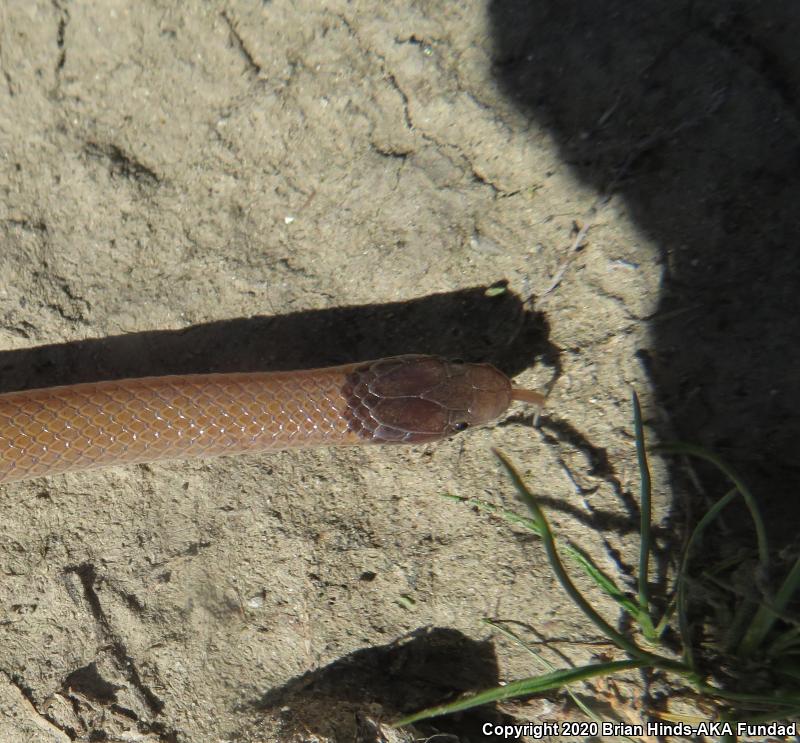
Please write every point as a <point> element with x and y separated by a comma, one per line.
<point>416,399</point>
<point>491,393</point>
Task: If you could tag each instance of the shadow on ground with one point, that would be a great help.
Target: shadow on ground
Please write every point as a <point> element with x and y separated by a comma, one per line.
<point>429,666</point>
<point>472,324</point>
<point>690,112</point>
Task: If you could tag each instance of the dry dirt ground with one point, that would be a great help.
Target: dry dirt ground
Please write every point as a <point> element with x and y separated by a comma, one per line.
<point>242,185</point>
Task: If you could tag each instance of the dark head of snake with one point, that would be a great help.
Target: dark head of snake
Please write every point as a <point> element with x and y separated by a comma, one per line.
<point>416,399</point>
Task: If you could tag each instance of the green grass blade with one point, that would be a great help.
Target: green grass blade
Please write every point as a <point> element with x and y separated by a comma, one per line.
<point>663,623</point>
<point>682,607</point>
<point>516,638</point>
<point>576,700</point>
<point>737,627</point>
<point>771,701</point>
<point>555,562</point>
<point>789,669</point>
<point>758,523</point>
<point>771,716</point>
<point>603,581</point>
<point>768,612</point>
<point>607,585</point>
<point>762,620</point>
<point>523,687</point>
<point>509,516</point>
<point>542,661</point>
<point>556,565</point>
<point>645,511</point>
<point>785,642</point>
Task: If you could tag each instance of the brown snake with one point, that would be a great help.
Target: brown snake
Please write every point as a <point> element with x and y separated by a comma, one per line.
<point>404,399</point>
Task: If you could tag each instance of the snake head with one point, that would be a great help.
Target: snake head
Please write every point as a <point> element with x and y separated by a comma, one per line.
<point>416,399</point>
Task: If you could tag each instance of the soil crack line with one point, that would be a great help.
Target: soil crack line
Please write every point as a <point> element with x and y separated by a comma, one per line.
<point>44,721</point>
<point>87,575</point>
<point>253,67</point>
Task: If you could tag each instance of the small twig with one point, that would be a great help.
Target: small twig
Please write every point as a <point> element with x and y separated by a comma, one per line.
<point>576,246</point>
<point>656,138</point>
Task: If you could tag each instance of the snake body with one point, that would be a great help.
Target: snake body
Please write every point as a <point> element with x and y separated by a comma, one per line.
<point>404,399</point>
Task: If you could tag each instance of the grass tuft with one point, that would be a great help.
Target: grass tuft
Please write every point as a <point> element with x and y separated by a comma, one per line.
<point>739,647</point>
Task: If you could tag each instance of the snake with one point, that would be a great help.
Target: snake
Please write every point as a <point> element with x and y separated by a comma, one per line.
<point>410,399</point>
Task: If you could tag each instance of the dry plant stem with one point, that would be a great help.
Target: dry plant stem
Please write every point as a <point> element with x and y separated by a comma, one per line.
<point>577,244</point>
<point>645,510</point>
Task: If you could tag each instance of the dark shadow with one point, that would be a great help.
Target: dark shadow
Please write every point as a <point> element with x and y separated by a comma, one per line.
<point>427,667</point>
<point>690,112</point>
<point>91,684</point>
<point>466,324</point>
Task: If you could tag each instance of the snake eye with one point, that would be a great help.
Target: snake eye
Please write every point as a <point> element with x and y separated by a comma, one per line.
<point>462,426</point>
